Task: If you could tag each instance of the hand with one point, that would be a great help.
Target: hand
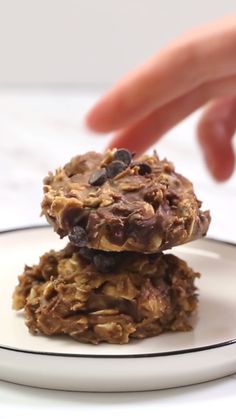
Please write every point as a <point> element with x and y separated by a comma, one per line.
<point>197,69</point>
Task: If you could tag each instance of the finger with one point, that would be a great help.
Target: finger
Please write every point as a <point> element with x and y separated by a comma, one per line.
<point>141,135</point>
<point>206,54</point>
<point>215,132</point>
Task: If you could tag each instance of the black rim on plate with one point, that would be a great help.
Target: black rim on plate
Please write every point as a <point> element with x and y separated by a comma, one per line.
<point>144,355</point>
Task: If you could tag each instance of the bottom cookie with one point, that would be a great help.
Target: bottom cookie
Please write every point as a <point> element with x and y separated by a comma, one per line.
<point>141,296</point>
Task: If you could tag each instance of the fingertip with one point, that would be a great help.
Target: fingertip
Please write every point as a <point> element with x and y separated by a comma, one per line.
<point>95,122</point>
<point>110,113</point>
<point>218,155</point>
<point>214,137</point>
<point>219,172</point>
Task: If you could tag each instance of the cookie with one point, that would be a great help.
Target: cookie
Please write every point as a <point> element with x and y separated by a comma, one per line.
<point>93,297</point>
<point>115,202</point>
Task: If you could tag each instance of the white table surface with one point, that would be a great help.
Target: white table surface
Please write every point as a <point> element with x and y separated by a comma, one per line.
<point>41,129</point>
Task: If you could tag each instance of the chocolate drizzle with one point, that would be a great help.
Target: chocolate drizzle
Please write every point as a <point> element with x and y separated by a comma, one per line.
<point>124,204</point>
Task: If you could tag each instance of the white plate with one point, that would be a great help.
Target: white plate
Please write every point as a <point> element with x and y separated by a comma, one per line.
<point>169,360</point>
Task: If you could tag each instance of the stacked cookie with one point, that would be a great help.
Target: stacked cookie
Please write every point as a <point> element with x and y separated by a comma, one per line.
<point>112,281</point>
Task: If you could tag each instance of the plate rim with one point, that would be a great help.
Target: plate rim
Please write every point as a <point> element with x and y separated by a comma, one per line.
<point>108,356</point>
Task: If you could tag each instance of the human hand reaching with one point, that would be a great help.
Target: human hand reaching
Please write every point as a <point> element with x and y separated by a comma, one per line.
<point>197,69</point>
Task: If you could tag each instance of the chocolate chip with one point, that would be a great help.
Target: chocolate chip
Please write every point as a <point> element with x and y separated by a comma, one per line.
<point>104,262</point>
<point>78,236</point>
<point>144,169</point>
<point>98,178</point>
<point>114,168</point>
<point>123,155</point>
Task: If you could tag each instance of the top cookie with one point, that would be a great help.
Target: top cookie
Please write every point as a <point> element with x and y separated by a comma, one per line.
<point>114,202</point>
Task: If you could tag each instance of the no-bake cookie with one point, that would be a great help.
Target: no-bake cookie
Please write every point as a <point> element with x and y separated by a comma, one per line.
<point>115,202</point>
<point>92,297</point>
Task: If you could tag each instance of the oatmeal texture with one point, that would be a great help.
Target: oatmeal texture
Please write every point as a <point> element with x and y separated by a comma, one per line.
<point>116,202</point>
<point>93,297</point>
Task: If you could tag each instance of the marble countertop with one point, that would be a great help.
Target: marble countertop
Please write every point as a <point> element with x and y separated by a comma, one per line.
<point>42,129</point>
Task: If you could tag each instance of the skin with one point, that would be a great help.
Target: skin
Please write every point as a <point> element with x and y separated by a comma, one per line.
<point>197,69</point>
